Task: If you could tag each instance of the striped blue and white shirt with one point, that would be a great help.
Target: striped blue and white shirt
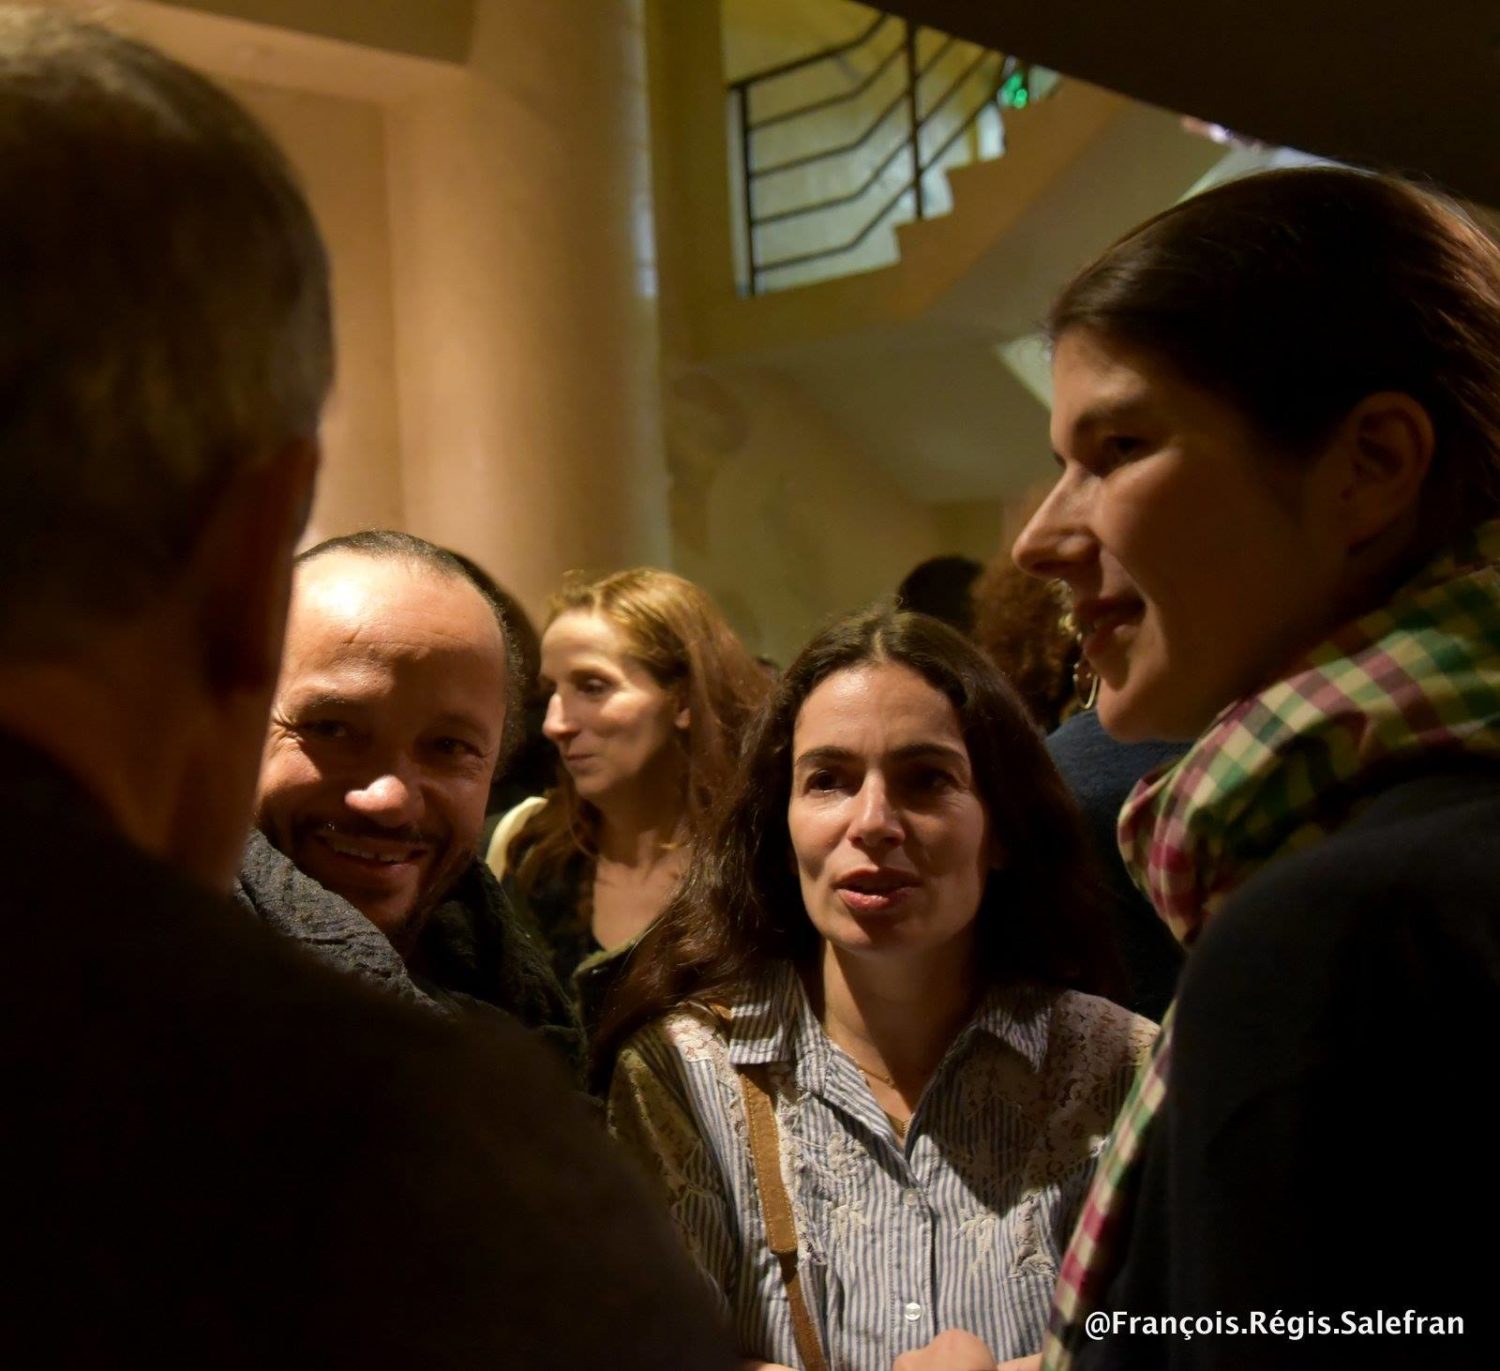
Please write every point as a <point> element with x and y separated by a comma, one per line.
<point>962,1226</point>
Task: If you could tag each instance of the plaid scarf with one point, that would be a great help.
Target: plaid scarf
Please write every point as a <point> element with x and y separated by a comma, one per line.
<point>1275,773</point>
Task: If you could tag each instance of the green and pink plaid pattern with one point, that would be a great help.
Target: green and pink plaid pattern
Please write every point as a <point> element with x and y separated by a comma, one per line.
<point>1086,1262</point>
<point>1280,770</point>
<point>1275,773</point>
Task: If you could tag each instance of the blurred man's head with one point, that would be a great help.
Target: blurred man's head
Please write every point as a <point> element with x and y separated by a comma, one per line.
<point>941,587</point>
<point>165,352</point>
<point>388,724</point>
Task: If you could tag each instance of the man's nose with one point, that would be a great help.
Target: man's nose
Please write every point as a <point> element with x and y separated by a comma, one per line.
<point>877,820</point>
<point>391,798</point>
<point>1057,539</point>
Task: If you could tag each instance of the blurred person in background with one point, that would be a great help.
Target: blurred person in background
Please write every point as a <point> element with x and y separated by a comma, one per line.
<point>942,587</point>
<point>530,765</point>
<point>649,695</point>
<point>1018,625</point>
<point>1023,625</point>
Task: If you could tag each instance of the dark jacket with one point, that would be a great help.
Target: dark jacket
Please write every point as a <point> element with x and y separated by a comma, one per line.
<point>554,909</point>
<point>218,1153</point>
<point>1320,1149</point>
<point>1101,773</point>
<point>331,928</point>
<point>472,953</point>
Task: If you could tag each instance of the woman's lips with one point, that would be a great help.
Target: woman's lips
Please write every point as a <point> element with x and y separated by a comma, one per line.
<point>872,901</point>
<point>1102,620</point>
<point>875,892</point>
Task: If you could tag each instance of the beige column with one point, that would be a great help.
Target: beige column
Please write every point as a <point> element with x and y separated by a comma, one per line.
<point>525,300</point>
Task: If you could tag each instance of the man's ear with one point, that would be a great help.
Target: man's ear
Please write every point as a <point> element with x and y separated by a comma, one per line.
<point>1386,445</point>
<point>243,568</point>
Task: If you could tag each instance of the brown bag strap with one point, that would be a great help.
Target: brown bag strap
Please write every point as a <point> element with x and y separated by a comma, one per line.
<point>776,1207</point>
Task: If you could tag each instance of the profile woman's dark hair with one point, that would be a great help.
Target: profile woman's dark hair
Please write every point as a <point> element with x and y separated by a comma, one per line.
<point>740,906</point>
<point>1294,294</point>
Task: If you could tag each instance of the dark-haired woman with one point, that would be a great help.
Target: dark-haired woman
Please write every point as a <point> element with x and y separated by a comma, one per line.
<point>855,1013</point>
<point>1277,409</point>
<point>648,691</point>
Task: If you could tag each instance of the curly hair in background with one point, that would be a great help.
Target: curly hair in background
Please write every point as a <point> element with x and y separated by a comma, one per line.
<point>1017,624</point>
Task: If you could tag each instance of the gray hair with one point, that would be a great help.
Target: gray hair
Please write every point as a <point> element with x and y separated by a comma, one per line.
<point>165,320</point>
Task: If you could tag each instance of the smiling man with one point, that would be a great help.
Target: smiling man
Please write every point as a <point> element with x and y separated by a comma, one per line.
<point>389,721</point>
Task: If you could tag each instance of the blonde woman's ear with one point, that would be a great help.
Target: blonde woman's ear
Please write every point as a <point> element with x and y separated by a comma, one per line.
<point>684,719</point>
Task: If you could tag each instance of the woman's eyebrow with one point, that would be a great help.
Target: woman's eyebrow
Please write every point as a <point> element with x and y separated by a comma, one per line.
<point>1130,410</point>
<point>823,756</point>
<point>921,751</point>
<point>1103,413</point>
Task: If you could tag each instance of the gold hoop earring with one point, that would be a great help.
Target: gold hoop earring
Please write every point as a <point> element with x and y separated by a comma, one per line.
<point>1085,678</point>
<point>1085,684</point>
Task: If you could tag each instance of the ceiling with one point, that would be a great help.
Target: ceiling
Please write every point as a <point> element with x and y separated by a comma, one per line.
<point>1388,83</point>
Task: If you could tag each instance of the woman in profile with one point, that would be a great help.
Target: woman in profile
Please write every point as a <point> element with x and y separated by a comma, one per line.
<point>649,692</point>
<point>1277,410</point>
<point>864,1013</point>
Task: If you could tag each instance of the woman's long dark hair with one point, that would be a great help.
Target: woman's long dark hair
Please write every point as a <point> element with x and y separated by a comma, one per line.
<point>740,907</point>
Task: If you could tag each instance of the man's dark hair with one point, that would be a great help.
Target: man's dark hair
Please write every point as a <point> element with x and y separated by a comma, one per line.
<point>943,588</point>
<point>392,545</point>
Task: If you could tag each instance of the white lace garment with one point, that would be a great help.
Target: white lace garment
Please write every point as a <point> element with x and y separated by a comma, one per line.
<point>962,1226</point>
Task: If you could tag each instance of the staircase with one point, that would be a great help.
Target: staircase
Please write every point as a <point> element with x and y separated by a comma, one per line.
<point>837,148</point>
<point>904,207</point>
<point>870,406</point>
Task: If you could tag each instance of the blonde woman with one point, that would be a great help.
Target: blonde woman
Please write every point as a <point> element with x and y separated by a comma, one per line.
<point>650,690</point>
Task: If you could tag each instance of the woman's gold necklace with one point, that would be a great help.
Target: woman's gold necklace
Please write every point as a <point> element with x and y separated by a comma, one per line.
<point>876,1076</point>
<point>898,1125</point>
<point>865,1070</point>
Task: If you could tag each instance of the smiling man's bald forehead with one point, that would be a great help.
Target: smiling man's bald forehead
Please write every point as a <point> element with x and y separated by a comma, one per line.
<point>363,593</point>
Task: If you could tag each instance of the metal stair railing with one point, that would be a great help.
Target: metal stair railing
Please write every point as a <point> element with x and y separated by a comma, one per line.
<point>1000,79</point>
